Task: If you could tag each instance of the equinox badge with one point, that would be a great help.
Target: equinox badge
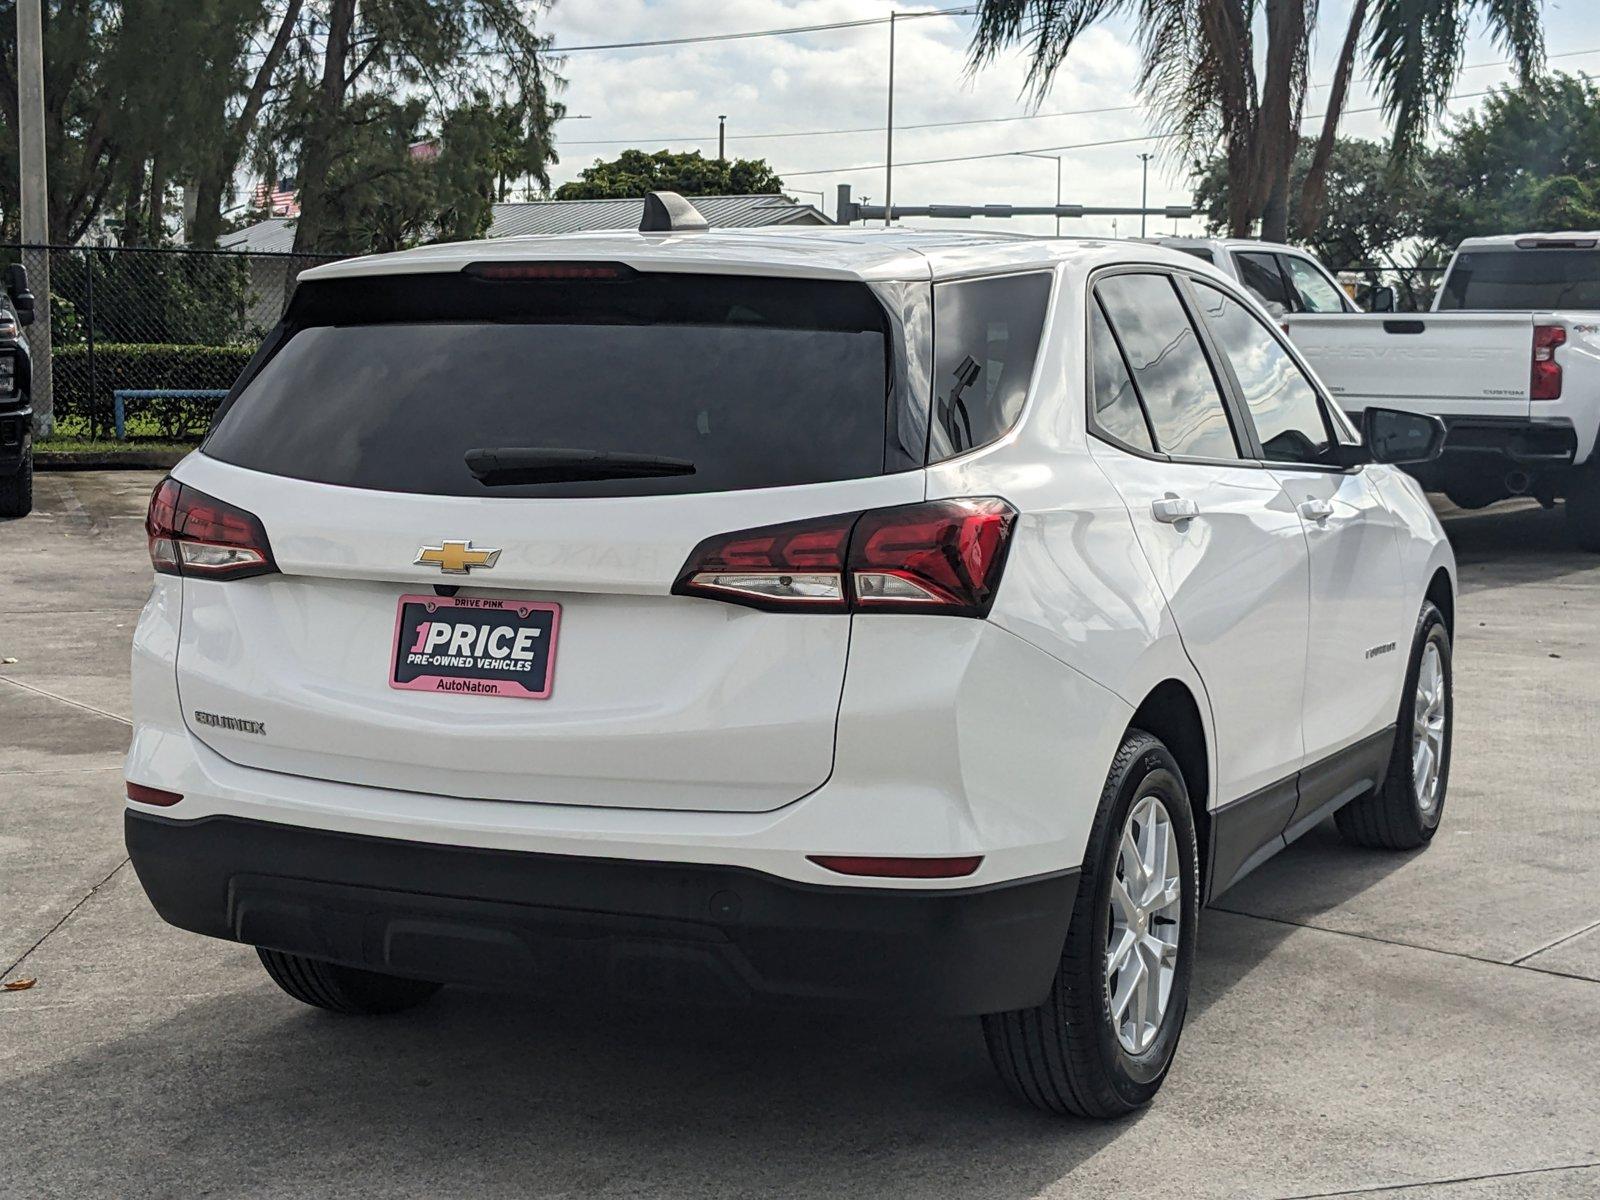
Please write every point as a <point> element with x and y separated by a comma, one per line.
<point>456,558</point>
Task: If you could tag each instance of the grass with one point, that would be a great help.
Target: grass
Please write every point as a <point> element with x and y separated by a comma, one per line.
<point>109,446</point>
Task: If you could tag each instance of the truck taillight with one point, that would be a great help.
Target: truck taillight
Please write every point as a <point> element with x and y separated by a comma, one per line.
<point>191,533</point>
<point>1546,384</point>
<point>940,556</point>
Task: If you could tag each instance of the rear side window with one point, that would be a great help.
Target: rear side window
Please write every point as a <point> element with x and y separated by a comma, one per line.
<point>1169,366</point>
<point>985,340</point>
<point>1523,279</point>
<point>1117,411</point>
<point>1260,273</point>
<point>1315,292</point>
<point>388,383</point>
<point>1282,403</point>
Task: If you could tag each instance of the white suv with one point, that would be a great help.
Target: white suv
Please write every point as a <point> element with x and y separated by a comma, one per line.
<point>827,616</point>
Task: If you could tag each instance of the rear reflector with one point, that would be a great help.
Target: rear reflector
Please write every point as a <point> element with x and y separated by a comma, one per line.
<point>1546,381</point>
<point>941,556</point>
<point>900,868</point>
<point>150,795</point>
<point>191,533</point>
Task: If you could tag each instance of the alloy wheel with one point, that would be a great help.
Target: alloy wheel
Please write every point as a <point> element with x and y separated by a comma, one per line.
<point>1142,934</point>
<point>1429,713</point>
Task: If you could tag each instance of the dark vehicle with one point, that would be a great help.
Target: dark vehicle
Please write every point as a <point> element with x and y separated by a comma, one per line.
<point>16,399</point>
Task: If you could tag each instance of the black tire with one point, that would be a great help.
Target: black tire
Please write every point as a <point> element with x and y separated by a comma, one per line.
<point>1065,1056</point>
<point>1392,817</point>
<point>16,490</point>
<point>1583,507</point>
<point>340,989</point>
<point>1476,494</point>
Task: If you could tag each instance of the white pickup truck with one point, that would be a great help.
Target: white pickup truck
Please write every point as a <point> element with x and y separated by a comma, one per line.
<point>1287,280</point>
<point>1509,357</point>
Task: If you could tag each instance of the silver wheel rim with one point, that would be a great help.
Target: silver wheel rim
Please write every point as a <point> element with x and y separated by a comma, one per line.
<point>1429,712</point>
<point>1142,934</point>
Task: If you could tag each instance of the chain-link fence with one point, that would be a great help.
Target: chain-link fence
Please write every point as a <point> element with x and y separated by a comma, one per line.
<point>163,330</point>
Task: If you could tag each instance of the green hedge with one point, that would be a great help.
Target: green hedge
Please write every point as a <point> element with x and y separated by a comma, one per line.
<point>119,365</point>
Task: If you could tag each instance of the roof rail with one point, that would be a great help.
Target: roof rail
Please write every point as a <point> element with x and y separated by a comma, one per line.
<point>668,212</point>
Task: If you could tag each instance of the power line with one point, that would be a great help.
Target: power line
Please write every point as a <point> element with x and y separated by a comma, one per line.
<point>860,129</point>
<point>759,33</point>
<point>1123,141</point>
<point>752,137</point>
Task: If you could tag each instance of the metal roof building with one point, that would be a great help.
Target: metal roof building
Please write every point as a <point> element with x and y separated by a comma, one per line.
<point>537,218</point>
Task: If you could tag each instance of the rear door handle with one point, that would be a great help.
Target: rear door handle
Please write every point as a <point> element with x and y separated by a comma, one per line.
<point>1316,510</point>
<point>1169,510</point>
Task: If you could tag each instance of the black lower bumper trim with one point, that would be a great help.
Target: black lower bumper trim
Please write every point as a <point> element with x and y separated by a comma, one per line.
<point>660,930</point>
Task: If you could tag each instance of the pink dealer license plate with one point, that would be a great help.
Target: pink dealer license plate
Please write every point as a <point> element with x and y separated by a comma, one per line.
<point>475,646</point>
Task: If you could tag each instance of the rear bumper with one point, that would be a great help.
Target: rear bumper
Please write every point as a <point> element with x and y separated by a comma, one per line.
<point>1487,445</point>
<point>647,929</point>
<point>1524,441</point>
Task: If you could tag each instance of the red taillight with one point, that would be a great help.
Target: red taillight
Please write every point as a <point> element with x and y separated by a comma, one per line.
<point>795,566</point>
<point>942,556</point>
<point>191,533</point>
<point>899,868</point>
<point>150,795</point>
<point>1546,370</point>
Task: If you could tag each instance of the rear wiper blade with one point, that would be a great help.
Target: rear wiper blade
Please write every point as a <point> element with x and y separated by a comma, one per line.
<point>507,465</point>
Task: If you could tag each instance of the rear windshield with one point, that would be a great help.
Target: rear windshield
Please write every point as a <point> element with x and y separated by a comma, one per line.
<point>388,383</point>
<point>1523,279</point>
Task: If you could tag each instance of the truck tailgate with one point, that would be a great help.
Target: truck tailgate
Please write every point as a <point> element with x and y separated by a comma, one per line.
<point>1462,364</point>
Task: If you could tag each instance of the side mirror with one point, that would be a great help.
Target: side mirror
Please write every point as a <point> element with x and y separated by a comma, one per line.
<point>17,289</point>
<point>1382,300</point>
<point>1395,437</point>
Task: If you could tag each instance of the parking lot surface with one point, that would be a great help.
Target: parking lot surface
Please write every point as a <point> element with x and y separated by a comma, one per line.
<point>1363,1023</point>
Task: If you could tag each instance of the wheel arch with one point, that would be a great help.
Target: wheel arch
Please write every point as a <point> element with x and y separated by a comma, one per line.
<point>1441,594</point>
<point>1172,712</point>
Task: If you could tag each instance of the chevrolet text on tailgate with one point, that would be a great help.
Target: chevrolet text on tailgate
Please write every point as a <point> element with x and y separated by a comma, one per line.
<point>829,617</point>
<point>1509,358</point>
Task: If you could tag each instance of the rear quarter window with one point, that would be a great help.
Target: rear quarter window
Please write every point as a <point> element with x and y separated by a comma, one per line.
<point>986,340</point>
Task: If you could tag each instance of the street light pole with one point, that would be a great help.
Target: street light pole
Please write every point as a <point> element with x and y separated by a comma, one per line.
<point>888,158</point>
<point>1057,157</point>
<point>35,222</point>
<point>1144,189</point>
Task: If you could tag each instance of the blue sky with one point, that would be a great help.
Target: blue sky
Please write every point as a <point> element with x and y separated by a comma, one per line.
<point>670,97</point>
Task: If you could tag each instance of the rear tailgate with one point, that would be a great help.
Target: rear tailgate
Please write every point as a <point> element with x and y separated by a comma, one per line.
<point>1457,364</point>
<point>656,701</point>
<point>354,448</point>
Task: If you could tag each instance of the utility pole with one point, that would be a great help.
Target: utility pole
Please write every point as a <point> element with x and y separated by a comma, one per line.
<point>722,137</point>
<point>1144,189</point>
<point>888,157</point>
<point>35,200</point>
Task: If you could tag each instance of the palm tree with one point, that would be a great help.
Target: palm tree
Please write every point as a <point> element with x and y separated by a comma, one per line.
<point>1413,53</point>
<point>1199,72</point>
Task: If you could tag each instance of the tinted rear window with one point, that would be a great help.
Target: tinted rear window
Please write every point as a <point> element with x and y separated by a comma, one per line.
<point>387,383</point>
<point>1523,279</point>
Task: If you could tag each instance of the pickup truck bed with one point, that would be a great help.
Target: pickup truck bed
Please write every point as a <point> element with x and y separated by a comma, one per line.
<point>1475,370</point>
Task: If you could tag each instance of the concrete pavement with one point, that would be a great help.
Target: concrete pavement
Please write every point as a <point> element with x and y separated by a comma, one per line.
<point>1362,1023</point>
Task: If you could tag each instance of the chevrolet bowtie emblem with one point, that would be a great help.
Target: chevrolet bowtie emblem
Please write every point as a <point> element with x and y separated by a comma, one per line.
<point>456,558</point>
